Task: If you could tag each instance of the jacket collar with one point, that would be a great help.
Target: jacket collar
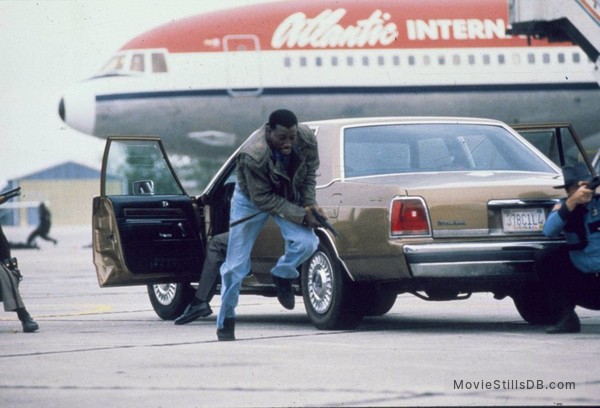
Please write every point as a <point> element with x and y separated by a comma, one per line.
<point>257,147</point>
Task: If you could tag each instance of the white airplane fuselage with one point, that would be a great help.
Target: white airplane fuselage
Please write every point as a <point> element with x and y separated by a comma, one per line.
<point>330,60</point>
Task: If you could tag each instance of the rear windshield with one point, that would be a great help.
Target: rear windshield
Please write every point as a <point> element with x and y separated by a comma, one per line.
<point>392,149</point>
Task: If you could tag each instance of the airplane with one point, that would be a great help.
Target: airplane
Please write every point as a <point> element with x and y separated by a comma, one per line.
<point>205,82</point>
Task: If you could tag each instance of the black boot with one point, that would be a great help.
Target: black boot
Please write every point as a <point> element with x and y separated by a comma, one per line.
<point>227,333</point>
<point>568,323</point>
<point>29,325</point>
<point>285,293</point>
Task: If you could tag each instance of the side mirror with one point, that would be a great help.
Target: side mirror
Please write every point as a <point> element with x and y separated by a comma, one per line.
<point>143,187</point>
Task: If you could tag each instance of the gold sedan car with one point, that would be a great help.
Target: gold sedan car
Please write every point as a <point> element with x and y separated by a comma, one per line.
<point>437,207</point>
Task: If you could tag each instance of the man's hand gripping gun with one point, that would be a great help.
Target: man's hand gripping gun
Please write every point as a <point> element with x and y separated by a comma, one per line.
<point>592,185</point>
<point>323,221</point>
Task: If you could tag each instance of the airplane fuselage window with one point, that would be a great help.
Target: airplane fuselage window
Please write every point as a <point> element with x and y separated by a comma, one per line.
<point>426,60</point>
<point>546,58</point>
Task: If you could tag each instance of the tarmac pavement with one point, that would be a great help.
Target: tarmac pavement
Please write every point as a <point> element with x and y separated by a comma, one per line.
<point>105,347</point>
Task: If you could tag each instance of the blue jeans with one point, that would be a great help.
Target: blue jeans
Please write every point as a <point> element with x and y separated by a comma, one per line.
<point>300,243</point>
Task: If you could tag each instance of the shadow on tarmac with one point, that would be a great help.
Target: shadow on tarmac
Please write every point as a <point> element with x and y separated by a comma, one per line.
<point>395,323</point>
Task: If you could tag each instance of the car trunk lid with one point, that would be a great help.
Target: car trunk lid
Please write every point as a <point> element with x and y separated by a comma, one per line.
<point>470,204</point>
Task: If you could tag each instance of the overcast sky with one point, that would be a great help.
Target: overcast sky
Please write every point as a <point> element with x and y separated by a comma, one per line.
<point>47,46</point>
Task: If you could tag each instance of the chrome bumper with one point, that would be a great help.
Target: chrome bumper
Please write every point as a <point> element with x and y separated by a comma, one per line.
<point>473,260</point>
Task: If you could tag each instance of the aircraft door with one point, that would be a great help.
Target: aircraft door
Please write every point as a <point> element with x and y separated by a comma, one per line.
<point>243,65</point>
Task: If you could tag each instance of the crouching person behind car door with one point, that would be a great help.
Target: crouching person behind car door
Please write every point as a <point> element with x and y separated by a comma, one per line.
<point>571,274</point>
<point>200,304</point>
<point>276,177</point>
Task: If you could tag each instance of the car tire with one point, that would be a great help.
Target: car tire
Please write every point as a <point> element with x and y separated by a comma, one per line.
<point>535,306</point>
<point>327,293</point>
<point>169,300</point>
<point>374,301</point>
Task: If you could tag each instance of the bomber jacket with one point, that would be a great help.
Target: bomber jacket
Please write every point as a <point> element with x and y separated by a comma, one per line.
<point>582,233</point>
<point>264,180</point>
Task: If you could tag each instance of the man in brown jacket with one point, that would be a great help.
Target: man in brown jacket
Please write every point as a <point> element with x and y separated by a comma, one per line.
<point>276,177</point>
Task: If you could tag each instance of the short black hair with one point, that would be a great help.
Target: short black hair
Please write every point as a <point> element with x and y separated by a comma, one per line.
<point>283,117</point>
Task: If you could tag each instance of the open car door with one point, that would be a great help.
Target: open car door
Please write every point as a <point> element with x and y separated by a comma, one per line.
<point>145,227</point>
<point>558,141</point>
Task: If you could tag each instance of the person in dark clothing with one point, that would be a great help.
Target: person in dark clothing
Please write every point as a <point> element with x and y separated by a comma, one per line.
<point>571,273</point>
<point>215,256</point>
<point>43,228</point>
<point>10,277</point>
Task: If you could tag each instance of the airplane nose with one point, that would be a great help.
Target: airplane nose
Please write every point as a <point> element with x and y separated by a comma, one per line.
<point>77,108</point>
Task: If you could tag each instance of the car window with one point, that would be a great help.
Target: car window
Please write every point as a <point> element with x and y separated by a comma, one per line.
<point>545,142</point>
<point>390,149</point>
<point>140,168</point>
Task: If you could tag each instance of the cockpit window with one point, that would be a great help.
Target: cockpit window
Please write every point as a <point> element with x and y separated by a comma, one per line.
<point>159,64</point>
<point>136,62</point>
<point>114,64</point>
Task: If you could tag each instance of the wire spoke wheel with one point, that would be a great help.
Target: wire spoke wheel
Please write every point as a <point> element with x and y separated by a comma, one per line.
<point>320,283</point>
<point>327,292</point>
<point>165,293</point>
<point>169,300</point>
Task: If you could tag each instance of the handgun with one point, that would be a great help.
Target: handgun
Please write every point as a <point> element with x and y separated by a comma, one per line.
<point>323,221</point>
<point>592,185</point>
<point>11,193</point>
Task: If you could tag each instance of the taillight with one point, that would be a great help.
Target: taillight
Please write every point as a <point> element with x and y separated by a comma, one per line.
<point>409,217</point>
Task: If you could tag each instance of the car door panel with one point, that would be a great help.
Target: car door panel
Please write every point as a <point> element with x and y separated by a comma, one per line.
<point>141,237</point>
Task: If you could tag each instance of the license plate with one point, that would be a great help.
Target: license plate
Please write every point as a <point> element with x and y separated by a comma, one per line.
<point>523,220</point>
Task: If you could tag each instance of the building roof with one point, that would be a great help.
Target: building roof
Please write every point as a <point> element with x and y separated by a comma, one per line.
<point>67,170</point>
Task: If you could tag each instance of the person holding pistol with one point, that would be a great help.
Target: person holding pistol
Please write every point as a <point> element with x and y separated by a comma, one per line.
<point>571,273</point>
<point>10,276</point>
<point>276,177</point>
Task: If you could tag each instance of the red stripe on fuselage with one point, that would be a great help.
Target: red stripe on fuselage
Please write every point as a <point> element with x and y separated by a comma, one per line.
<point>332,24</point>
